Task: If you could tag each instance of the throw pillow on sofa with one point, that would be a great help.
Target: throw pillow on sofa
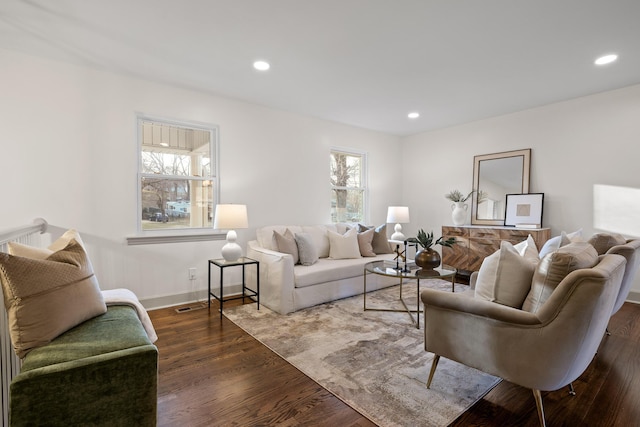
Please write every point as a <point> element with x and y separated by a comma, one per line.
<point>46,297</point>
<point>365,242</point>
<point>342,246</point>
<point>380,241</point>
<point>287,244</point>
<point>307,252</point>
<point>505,276</point>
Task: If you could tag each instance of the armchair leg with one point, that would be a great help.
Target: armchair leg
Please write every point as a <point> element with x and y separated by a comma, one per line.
<point>538,397</point>
<point>434,364</point>
<point>572,392</point>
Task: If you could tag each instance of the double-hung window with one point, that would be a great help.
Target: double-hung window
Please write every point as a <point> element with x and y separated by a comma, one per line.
<point>177,179</point>
<point>348,186</point>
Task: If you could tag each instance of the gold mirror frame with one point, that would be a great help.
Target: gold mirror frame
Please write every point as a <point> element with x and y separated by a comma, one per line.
<point>478,164</point>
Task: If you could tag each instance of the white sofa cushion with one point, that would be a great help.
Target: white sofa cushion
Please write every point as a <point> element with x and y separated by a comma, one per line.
<point>327,270</point>
<point>319,235</point>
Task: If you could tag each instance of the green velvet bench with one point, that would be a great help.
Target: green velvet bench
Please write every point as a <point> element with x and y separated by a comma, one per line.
<point>103,372</point>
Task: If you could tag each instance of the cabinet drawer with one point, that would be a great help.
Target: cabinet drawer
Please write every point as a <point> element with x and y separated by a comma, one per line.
<point>455,232</point>
<point>515,235</point>
<point>484,233</point>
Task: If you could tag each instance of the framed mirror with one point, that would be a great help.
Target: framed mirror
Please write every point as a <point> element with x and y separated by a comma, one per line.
<point>495,176</point>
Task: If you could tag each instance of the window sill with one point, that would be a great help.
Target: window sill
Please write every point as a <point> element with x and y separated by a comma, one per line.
<point>175,238</point>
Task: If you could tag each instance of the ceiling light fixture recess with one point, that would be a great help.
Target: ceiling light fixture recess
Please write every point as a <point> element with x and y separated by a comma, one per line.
<point>606,59</point>
<point>413,115</point>
<point>261,65</point>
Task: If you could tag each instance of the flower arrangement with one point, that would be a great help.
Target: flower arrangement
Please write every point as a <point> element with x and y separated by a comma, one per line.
<point>457,196</point>
<point>425,240</point>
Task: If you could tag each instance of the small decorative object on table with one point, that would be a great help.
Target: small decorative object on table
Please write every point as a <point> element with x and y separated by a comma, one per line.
<point>459,207</point>
<point>428,258</point>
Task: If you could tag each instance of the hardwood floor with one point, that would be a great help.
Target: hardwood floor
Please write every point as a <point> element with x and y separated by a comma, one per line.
<point>212,373</point>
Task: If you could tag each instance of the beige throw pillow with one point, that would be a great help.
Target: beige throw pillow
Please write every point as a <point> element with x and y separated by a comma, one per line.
<point>343,246</point>
<point>46,297</point>
<point>365,243</point>
<point>380,242</point>
<point>287,244</point>
<point>554,267</point>
<point>505,276</point>
<point>602,242</point>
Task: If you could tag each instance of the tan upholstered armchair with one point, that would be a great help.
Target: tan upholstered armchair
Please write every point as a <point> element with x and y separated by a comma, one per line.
<point>606,243</point>
<point>543,350</point>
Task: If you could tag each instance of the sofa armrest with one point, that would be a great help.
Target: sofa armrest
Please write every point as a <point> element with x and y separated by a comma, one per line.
<point>276,277</point>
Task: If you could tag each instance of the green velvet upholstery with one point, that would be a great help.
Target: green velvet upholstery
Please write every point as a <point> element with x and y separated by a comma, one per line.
<point>103,372</point>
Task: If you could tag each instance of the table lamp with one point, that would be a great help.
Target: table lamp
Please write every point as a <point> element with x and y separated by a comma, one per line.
<point>398,214</point>
<point>231,217</point>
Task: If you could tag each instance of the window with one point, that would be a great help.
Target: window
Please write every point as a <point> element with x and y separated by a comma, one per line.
<point>348,186</point>
<point>177,185</point>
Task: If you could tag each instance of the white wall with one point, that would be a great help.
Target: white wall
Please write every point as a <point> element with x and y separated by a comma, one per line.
<point>575,145</point>
<point>68,154</point>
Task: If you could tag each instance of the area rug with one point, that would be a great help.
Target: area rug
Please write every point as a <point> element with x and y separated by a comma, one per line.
<point>372,360</point>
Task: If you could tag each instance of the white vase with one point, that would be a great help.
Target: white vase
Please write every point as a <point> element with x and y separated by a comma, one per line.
<point>459,213</point>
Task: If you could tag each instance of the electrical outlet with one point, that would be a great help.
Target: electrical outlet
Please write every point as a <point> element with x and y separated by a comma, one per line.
<point>192,273</point>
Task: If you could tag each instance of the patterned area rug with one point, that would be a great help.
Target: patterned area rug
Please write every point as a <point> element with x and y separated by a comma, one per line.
<point>374,361</point>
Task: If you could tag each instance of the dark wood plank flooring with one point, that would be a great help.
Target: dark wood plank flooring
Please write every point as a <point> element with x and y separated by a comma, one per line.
<point>212,373</point>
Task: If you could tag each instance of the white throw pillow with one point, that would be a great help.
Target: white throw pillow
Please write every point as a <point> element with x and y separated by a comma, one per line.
<point>527,248</point>
<point>505,276</point>
<point>557,242</point>
<point>343,246</point>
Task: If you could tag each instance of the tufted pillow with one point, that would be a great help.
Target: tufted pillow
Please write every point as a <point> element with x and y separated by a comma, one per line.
<point>380,241</point>
<point>286,244</point>
<point>306,249</point>
<point>602,242</point>
<point>365,242</point>
<point>505,276</point>
<point>554,267</point>
<point>46,297</point>
<point>343,246</point>
<point>557,242</point>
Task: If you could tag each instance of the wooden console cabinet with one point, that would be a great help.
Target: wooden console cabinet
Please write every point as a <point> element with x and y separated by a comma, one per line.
<point>475,243</point>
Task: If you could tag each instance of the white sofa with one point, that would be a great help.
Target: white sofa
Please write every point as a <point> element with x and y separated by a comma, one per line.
<point>285,287</point>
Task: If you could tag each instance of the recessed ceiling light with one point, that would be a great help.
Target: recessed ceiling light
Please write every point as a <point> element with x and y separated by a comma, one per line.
<point>413,115</point>
<point>261,65</point>
<point>606,59</point>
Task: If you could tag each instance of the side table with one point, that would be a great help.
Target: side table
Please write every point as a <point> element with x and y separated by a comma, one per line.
<point>221,263</point>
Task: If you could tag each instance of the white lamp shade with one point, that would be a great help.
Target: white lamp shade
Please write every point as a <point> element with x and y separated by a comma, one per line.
<point>229,217</point>
<point>398,214</point>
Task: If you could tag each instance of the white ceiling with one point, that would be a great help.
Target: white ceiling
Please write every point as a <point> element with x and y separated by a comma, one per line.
<point>361,62</point>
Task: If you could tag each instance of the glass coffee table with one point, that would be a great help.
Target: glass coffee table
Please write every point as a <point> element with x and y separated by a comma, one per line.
<point>388,268</point>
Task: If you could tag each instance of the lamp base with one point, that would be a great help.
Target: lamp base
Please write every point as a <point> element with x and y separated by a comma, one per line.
<point>398,233</point>
<point>231,251</point>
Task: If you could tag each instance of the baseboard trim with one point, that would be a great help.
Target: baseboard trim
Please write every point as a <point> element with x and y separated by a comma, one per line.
<point>155,303</point>
<point>634,297</point>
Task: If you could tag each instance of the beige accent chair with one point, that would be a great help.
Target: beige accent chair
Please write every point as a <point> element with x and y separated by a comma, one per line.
<point>606,243</point>
<point>546,344</point>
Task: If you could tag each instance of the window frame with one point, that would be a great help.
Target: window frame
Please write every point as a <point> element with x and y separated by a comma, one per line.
<point>176,234</point>
<point>364,182</point>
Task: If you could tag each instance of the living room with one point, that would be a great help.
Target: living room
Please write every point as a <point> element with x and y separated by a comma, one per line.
<point>69,155</point>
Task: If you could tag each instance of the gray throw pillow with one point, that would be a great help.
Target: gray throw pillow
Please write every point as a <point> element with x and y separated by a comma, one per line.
<point>287,244</point>
<point>307,252</point>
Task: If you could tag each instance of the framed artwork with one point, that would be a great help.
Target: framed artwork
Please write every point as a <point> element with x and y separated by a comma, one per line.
<point>524,210</point>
